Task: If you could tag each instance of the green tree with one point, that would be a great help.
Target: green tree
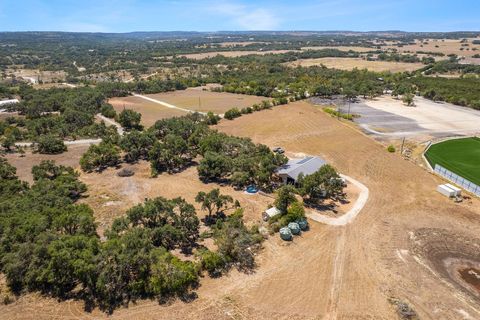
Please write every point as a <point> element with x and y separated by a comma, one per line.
<point>285,197</point>
<point>214,202</point>
<point>325,183</point>
<point>99,157</point>
<point>172,154</point>
<point>50,144</point>
<point>130,119</point>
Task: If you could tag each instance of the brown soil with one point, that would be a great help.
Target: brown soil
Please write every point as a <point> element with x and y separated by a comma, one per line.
<point>329,272</point>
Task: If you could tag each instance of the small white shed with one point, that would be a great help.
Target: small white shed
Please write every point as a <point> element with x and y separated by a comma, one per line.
<point>270,213</point>
<point>446,191</point>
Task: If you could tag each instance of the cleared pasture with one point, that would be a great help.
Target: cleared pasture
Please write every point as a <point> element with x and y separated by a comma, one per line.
<point>445,46</point>
<point>351,63</point>
<point>231,54</point>
<point>204,101</point>
<point>151,112</point>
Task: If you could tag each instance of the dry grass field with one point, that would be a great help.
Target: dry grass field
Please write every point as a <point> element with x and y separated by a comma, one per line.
<point>445,46</point>
<point>151,111</point>
<point>24,164</point>
<point>341,48</point>
<point>408,242</point>
<point>44,76</point>
<point>204,101</point>
<point>194,99</point>
<point>230,54</point>
<point>110,195</point>
<point>351,63</point>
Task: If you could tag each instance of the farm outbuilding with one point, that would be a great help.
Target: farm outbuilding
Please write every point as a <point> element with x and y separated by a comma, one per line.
<point>294,167</point>
<point>270,213</point>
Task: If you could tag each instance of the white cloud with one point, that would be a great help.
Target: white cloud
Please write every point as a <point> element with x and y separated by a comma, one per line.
<point>248,17</point>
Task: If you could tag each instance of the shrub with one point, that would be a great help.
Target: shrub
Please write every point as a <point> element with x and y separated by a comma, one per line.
<point>232,114</point>
<point>108,111</point>
<point>391,149</point>
<point>49,144</point>
<point>212,262</point>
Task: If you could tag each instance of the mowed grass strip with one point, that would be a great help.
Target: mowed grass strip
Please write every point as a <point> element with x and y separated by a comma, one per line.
<point>461,156</point>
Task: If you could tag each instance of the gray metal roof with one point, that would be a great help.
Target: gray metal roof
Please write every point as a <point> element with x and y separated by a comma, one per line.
<point>307,165</point>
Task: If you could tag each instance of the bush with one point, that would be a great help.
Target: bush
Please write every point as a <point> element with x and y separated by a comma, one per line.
<point>49,144</point>
<point>212,262</point>
<point>391,149</point>
<point>232,114</point>
<point>108,111</point>
<point>130,119</point>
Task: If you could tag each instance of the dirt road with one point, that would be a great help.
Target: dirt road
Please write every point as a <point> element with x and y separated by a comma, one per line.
<point>351,214</point>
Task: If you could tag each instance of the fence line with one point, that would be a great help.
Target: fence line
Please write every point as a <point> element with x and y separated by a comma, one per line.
<point>455,178</point>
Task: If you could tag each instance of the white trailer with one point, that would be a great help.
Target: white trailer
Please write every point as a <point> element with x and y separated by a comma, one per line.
<point>458,191</point>
<point>446,191</point>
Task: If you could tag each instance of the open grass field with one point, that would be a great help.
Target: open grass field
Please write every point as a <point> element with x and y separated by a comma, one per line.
<point>341,48</point>
<point>351,63</point>
<point>151,112</point>
<point>24,164</point>
<point>461,156</point>
<point>445,46</point>
<point>406,243</point>
<point>230,54</point>
<point>196,99</point>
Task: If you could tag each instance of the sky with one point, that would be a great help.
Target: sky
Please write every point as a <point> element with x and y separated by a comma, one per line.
<point>238,15</point>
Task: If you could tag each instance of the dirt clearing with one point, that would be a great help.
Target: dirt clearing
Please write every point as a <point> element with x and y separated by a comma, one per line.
<point>351,63</point>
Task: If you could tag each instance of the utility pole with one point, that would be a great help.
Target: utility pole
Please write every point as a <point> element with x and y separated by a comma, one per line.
<point>403,143</point>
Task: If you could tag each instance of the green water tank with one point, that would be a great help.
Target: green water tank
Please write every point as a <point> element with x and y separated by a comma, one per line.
<point>303,224</point>
<point>286,234</point>
<point>294,227</point>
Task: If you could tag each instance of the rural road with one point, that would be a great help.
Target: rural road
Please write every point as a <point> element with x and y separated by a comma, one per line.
<point>352,213</point>
<point>83,141</point>
<point>67,143</point>
<point>111,122</point>
<point>166,104</point>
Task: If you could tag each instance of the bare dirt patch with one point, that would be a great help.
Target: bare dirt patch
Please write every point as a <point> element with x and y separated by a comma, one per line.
<point>351,63</point>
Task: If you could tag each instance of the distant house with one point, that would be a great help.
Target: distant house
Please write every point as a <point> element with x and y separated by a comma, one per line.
<point>294,167</point>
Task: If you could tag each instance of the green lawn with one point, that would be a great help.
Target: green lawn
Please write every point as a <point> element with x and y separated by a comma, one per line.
<point>461,156</point>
